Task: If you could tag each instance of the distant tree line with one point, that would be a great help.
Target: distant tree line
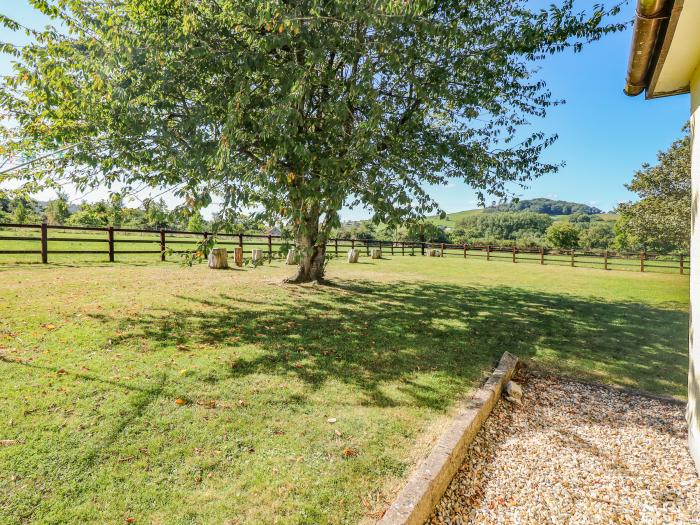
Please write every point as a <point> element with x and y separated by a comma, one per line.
<point>525,229</point>
<point>528,229</point>
<point>152,214</point>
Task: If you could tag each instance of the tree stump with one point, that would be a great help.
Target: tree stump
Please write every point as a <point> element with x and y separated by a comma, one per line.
<point>434,252</point>
<point>353,255</point>
<point>376,253</point>
<point>218,259</point>
<point>238,256</point>
<point>257,256</point>
<point>292,257</point>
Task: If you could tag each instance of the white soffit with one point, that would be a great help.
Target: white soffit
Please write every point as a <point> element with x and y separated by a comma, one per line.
<point>683,55</point>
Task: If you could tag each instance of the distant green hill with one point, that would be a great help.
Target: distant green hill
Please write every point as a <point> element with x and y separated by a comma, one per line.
<point>452,219</point>
<point>559,210</point>
<point>547,206</point>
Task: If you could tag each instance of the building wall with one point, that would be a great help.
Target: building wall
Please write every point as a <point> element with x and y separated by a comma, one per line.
<point>693,413</point>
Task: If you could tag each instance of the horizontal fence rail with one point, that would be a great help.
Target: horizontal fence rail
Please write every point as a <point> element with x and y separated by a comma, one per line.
<point>111,242</point>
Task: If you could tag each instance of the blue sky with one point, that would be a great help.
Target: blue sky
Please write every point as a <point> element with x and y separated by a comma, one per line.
<point>604,136</point>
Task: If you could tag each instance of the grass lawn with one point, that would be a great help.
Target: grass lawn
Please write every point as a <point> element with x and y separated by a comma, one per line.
<point>184,395</point>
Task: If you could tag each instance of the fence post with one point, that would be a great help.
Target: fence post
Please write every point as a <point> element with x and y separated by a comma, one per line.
<point>403,248</point>
<point>542,255</point>
<point>413,248</point>
<point>352,243</point>
<point>269,247</point>
<point>240,241</point>
<point>110,238</point>
<point>465,251</point>
<point>367,246</point>
<point>514,253</point>
<point>605,261</point>
<point>681,261</point>
<point>392,247</point>
<point>422,248</point>
<point>162,245</point>
<point>573,254</point>
<point>44,242</point>
<point>336,246</point>
<point>641,262</point>
<point>488,252</point>
<point>442,249</point>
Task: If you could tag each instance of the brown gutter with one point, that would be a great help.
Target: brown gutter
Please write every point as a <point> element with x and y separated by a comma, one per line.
<point>650,21</point>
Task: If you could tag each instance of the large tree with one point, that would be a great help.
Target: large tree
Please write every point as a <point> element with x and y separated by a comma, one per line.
<point>57,210</point>
<point>292,109</point>
<point>660,220</point>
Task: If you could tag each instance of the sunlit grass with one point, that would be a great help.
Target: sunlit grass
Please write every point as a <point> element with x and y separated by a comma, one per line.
<point>187,395</point>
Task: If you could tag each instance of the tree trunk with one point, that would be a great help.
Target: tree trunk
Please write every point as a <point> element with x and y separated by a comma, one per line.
<point>312,261</point>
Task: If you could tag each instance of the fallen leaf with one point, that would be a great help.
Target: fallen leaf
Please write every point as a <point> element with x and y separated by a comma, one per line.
<point>180,401</point>
<point>350,452</point>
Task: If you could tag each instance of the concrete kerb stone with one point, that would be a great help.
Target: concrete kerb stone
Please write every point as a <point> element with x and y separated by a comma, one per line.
<point>428,483</point>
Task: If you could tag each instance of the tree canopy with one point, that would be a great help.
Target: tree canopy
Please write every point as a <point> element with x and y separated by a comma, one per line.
<point>563,235</point>
<point>660,220</point>
<point>291,108</point>
<point>57,210</point>
<point>599,235</point>
<point>494,227</point>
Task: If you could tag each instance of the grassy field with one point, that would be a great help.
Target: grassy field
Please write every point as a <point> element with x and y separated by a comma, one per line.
<point>166,394</point>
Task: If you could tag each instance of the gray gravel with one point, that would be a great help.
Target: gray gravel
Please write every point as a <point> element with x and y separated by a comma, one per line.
<point>576,453</point>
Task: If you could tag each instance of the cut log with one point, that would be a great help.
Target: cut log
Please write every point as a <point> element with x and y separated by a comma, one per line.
<point>238,256</point>
<point>257,256</point>
<point>353,255</point>
<point>434,252</point>
<point>218,259</point>
<point>376,253</point>
<point>292,258</point>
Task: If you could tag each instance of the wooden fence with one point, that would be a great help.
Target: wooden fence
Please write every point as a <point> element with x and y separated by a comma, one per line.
<point>163,242</point>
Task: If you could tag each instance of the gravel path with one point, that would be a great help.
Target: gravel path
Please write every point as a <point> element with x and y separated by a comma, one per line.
<point>572,454</point>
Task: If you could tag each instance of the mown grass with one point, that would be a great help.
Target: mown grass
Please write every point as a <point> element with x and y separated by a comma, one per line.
<point>95,356</point>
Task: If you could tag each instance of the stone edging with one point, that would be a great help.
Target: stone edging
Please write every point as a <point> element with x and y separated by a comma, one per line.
<point>426,486</point>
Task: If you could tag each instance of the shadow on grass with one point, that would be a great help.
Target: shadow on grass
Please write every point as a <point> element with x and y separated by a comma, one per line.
<point>370,334</point>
